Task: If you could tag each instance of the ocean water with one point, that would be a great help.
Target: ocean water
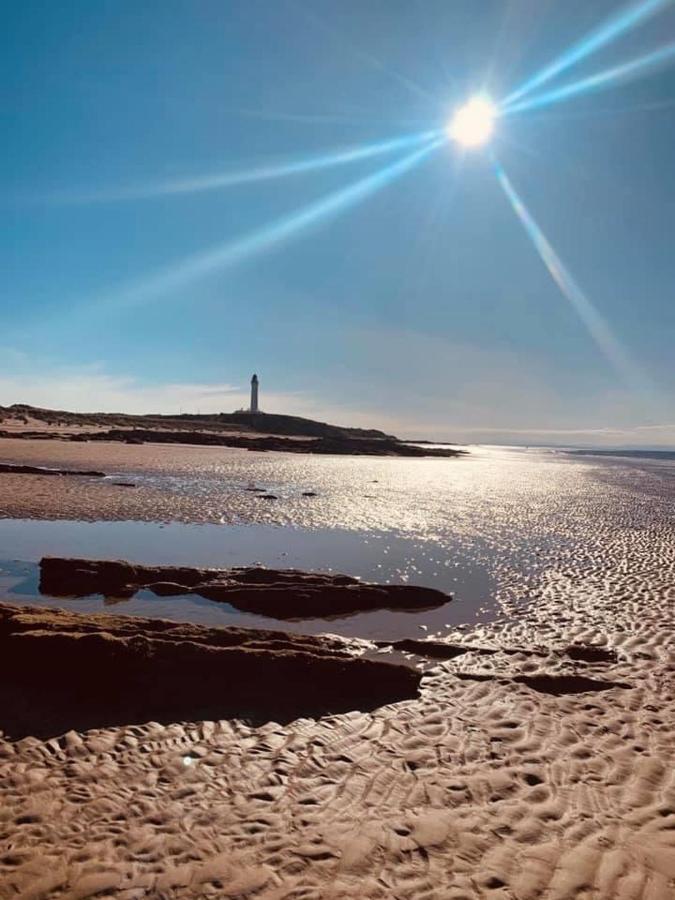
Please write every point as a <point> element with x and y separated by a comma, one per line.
<point>497,530</point>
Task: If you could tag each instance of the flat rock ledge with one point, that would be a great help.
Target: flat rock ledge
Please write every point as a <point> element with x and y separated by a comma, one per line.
<point>278,593</point>
<point>11,469</point>
<point>62,670</point>
<point>324,445</point>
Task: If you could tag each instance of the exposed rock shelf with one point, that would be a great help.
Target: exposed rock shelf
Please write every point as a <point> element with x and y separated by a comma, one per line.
<point>279,593</point>
<point>61,670</point>
<point>338,446</point>
<point>11,469</point>
<point>345,446</point>
<point>245,430</point>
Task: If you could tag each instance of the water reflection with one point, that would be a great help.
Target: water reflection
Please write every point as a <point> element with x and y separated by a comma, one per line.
<point>373,556</point>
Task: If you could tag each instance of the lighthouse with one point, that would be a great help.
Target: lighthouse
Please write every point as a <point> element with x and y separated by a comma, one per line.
<point>254,394</point>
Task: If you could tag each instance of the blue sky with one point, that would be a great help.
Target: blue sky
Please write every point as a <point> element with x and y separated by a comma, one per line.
<point>421,306</point>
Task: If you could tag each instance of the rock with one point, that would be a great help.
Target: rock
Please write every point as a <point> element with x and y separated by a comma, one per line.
<point>429,649</point>
<point>333,444</point>
<point>129,484</point>
<point>591,653</point>
<point>10,469</point>
<point>558,685</point>
<point>61,671</point>
<point>280,593</point>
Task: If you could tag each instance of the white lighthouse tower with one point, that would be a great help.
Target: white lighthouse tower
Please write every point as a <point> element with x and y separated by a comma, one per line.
<point>254,394</point>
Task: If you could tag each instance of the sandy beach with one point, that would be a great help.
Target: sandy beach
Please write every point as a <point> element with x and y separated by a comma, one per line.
<point>535,763</point>
<point>337,450</point>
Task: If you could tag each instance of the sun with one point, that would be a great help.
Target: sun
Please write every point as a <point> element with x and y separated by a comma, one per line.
<point>473,123</point>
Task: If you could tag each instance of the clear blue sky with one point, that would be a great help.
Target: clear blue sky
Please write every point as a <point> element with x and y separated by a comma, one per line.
<point>424,307</point>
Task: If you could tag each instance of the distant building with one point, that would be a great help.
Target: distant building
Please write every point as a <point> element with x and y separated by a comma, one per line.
<point>254,394</point>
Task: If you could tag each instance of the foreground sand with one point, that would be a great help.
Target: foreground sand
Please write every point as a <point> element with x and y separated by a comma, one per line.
<point>479,788</point>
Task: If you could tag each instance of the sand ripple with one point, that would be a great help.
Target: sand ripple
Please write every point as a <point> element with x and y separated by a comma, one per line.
<point>484,787</point>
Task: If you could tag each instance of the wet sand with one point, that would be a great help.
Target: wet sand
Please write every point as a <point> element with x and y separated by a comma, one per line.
<point>488,785</point>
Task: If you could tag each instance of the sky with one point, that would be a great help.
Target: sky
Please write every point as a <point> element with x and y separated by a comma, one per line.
<point>368,278</point>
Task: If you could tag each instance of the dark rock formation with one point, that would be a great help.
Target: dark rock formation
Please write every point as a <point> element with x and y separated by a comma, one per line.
<point>429,649</point>
<point>591,653</point>
<point>443,650</point>
<point>61,670</point>
<point>281,594</point>
<point>9,469</point>
<point>341,446</point>
<point>543,683</point>
<point>315,437</point>
<point>567,684</point>
<point>273,423</point>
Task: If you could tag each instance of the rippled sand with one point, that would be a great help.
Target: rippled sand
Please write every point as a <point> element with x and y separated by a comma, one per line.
<point>482,788</point>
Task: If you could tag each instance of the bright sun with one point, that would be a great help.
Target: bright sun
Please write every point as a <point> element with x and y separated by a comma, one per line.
<point>474,123</point>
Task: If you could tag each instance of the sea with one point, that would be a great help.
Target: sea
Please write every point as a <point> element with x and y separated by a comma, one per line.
<point>496,529</point>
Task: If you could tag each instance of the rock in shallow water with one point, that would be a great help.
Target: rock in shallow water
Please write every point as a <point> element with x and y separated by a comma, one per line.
<point>279,593</point>
<point>12,469</point>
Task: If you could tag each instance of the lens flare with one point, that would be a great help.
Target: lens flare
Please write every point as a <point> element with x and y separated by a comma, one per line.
<point>221,180</point>
<point>636,68</point>
<point>625,20</point>
<point>201,264</point>
<point>473,123</point>
<point>589,315</point>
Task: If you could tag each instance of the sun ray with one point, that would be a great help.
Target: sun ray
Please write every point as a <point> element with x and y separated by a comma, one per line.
<point>365,119</point>
<point>625,20</point>
<point>636,68</point>
<point>222,180</point>
<point>596,325</point>
<point>223,255</point>
<point>365,56</point>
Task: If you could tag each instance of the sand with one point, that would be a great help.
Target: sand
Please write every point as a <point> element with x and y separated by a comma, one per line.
<point>478,789</point>
<point>485,786</point>
<point>95,499</point>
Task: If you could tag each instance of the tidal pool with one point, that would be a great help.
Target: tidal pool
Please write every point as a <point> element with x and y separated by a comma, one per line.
<point>373,556</point>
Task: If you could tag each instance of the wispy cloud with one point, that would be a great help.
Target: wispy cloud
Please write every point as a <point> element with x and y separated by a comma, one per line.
<point>460,394</point>
<point>90,389</point>
<point>451,391</point>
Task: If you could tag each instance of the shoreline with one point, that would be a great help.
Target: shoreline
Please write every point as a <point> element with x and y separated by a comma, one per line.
<point>260,432</point>
<point>264,444</point>
<point>135,485</point>
<point>529,771</point>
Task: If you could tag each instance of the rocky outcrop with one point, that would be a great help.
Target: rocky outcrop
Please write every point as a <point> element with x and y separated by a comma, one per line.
<point>333,446</point>
<point>246,430</point>
<point>61,670</point>
<point>260,422</point>
<point>559,685</point>
<point>10,469</point>
<point>341,446</point>
<point>281,594</point>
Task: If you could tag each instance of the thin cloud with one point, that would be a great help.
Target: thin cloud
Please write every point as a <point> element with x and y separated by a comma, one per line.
<point>458,416</point>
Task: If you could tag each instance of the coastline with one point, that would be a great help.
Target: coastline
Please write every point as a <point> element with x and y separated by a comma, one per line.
<point>495,782</point>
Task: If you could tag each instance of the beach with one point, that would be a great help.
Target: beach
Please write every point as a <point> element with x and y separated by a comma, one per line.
<point>536,761</point>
